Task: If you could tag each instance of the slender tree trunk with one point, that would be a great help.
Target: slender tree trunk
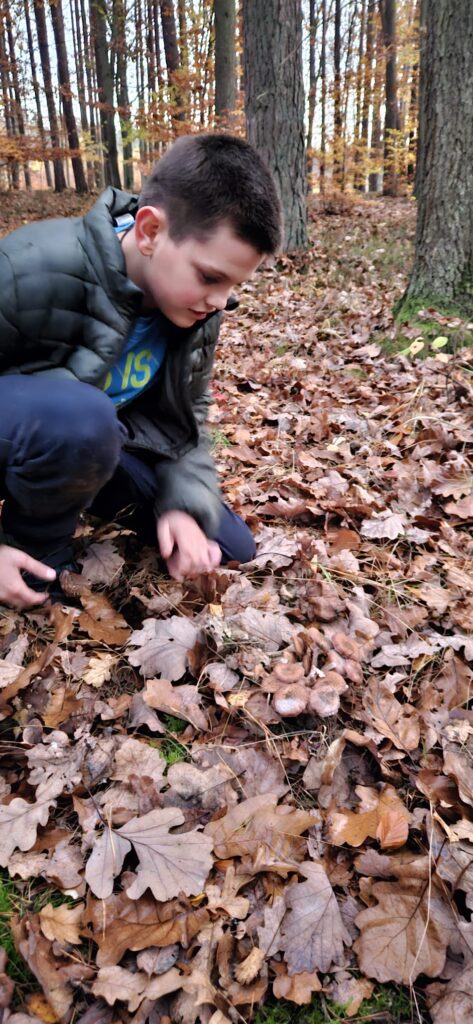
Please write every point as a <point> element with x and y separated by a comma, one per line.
<point>81,21</point>
<point>391,121</point>
<point>18,110</point>
<point>42,33</point>
<point>13,167</point>
<point>225,60</point>
<point>122,91</point>
<point>337,98</point>
<point>105,92</point>
<point>35,83</point>
<point>323,98</point>
<point>66,94</point>
<point>367,90</point>
<point>275,103</point>
<point>346,95</point>
<point>312,88</point>
<point>358,175</point>
<point>376,154</point>
<point>443,265</point>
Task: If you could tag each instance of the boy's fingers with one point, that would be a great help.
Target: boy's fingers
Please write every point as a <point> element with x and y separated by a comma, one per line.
<point>215,553</point>
<point>27,598</point>
<point>165,540</point>
<point>39,569</point>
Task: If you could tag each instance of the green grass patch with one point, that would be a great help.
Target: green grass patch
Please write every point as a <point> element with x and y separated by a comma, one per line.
<point>219,438</point>
<point>389,1004</point>
<point>170,747</point>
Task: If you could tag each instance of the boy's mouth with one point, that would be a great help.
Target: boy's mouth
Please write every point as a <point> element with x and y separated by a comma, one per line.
<point>198,314</point>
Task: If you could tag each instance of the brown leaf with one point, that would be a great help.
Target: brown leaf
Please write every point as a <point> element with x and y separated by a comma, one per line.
<point>209,788</point>
<point>168,863</point>
<point>134,758</point>
<point>383,525</point>
<point>7,986</point>
<point>138,924</point>
<point>248,969</point>
<point>182,701</point>
<point>19,821</point>
<point>406,933</point>
<point>164,646</point>
<point>349,992</point>
<point>382,816</point>
<point>297,988</point>
<point>101,622</point>
<point>455,1003</point>
<point>313,933</point>
<point>62,923</point>
<point>116,983</point>
<point>398,722</point>
<point>102,563</point>
<point>259,830</point>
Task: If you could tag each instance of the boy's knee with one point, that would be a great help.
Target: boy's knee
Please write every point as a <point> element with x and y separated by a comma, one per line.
<point>81,427</point>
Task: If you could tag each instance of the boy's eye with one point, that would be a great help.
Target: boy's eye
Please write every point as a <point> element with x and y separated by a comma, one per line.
<point>207,278</point>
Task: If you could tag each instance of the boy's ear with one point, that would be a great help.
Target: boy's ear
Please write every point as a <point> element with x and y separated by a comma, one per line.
<point>150,222</point>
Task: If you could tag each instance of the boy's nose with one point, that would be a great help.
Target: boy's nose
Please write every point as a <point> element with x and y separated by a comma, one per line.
<point>217,298</point>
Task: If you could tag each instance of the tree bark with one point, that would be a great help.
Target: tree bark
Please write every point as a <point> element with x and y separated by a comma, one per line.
<point>367,89</point>
<point>35,83</point>
<point>225,60</point>
<point>124,113</point>
<point>376,153</point>
<point>443,265</point>
<point>66,95</point>
<point>13,167</point>
<point>42,32</point>
<point>274,103</point>
<point>173,63</point>
<point>337,98</point>
<point>18,110</point>
<point>105,92</point>
<point>323,97</point>
<point>391,121</point>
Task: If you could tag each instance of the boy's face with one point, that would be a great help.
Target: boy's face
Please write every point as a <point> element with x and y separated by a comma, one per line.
<point>189,279</point>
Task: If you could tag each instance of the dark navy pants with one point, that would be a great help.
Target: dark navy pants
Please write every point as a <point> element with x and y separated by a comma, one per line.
<point>61,452</point>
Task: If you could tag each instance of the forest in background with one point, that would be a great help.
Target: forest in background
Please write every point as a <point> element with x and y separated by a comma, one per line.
<point>92,91</point>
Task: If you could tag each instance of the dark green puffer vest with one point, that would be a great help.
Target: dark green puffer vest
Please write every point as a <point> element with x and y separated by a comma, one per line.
<point>66,310</point>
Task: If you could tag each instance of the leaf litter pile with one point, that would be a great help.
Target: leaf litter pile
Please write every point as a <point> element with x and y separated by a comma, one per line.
<point>258,785</point>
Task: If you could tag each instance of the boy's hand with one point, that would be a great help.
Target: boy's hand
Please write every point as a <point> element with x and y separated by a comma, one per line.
<point>184,546</point>
<point>13,589</point>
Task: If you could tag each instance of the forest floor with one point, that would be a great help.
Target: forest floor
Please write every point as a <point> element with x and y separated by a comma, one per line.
<point>250,797</point>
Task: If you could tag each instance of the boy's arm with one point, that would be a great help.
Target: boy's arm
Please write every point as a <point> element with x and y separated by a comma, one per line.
<point>189,484</point>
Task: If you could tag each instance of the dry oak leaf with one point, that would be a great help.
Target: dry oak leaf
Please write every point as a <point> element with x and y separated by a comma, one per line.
<point>120,924</point>
<point>102,563</point>
<point>248,969</point>
<point>182,701</point>
<point>349,992</point>
<point>55,975</point>
<point>56,765</point>
<point>19,822</point>
<point>99,669</point>
<point>381,816</point>
<point>398,722</point>
<point>208,787</point>
<point>383,525</point>
<point>113,983</point>
<point>406,933</point>
<point>297,988</point>
<point>62,923</point>
<point>136,758</point>
<point>164,646</point>
<point>101,622</point>
<point>7,986</point>
<point>227,899</point>
<point>169,864</point>
<point>455,1004</point>
<point>313,933</point>
<point>269,935</point>
<point>258,826</point>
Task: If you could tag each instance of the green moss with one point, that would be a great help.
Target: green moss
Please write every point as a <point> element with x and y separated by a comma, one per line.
<point>407,307</point>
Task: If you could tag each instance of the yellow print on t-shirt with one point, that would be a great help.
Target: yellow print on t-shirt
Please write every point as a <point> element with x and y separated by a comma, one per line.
<point>135,373</point>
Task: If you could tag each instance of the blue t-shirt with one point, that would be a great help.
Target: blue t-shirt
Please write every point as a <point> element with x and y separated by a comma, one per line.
<point>143,353</point>
<point>140,360</point>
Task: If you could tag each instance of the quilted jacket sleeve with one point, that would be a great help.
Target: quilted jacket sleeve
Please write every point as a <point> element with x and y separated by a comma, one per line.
<point>189,483</point>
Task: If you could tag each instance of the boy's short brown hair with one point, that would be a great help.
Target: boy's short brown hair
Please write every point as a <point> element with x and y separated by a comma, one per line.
<point>204,180</point>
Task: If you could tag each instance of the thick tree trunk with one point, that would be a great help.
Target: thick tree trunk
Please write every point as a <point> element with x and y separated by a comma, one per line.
<point>274,104</point>
<point>42,32</point>
<point>443,266</point>
<point>225,60</point>
<point>173,63</point>
<point>391,121</point>
<point>66,94</point>
<point>105,92</point>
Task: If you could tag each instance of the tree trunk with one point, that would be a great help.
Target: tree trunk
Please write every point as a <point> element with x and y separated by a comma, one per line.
<point>312,89</point>
<point>391,121</point>
<point>337,98</point>
<point>225,60</point>
<point>18,110</point>
<point>367,90</point>
<point>13,167</point>
<point>171,50</point>
<point>376,153</point>
<point>274,103</point>
<point>42,32</point>
<point>122,91</point>
<point>323,97</point>
<point>363,38</point>
<point>35,83</point>
<point>66,94</point>
<point>443,266</point>
<point>105,92</point>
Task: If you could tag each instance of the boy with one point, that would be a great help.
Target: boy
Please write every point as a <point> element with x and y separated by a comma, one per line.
<point>108,326</point>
